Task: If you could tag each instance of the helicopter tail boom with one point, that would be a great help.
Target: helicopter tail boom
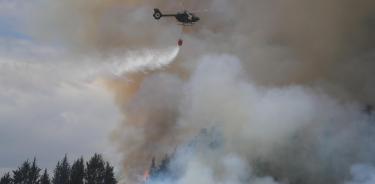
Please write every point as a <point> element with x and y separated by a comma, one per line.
<point>157,14</point>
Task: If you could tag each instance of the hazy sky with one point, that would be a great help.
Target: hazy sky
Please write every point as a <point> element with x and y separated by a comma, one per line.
<point>47,106</point>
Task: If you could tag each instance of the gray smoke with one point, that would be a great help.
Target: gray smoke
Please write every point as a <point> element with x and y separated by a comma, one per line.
<point>283,83</point>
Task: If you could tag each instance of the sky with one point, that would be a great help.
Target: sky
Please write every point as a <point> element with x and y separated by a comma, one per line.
<point>48,108</point>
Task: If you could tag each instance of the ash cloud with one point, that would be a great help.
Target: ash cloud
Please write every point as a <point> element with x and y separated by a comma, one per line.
<point>286,92</point>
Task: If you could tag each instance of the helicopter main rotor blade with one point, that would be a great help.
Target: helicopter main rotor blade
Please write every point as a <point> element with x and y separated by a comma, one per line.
<point>199,11</point>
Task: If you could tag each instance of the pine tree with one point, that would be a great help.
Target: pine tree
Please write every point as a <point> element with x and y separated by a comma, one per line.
<point>62,172</point>
<point>158,172</point>
<point>27,174</point>
<point>78,172</point>
<point>163,167</point>
<point>95,170</point>
<point>109,177</point>
<point>153,169</point>
<point>21,175</point>
<point>34,173</point>
<point>44,179</point>
<point>6,179</point>
<point>56,174</point>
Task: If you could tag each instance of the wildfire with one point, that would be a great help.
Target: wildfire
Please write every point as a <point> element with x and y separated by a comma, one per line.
<point>146,176</point>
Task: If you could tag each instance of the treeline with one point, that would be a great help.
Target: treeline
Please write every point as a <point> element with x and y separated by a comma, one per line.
<point>161,170</point>
<point>94,171</point>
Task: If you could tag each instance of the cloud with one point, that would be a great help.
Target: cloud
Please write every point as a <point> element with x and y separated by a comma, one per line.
<point>49,108</point>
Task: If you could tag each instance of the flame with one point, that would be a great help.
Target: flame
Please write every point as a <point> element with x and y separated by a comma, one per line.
<point>146,176</point>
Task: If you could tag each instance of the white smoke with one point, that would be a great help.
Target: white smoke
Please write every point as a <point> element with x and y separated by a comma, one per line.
<point>142,60</point>
<point>265,135</point>
<point>362,174</point>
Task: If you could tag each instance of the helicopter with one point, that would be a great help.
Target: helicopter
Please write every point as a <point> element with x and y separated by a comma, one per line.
<point>185,17</point>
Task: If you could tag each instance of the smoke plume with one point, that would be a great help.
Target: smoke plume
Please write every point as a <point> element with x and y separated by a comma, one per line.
<point>280,85</point>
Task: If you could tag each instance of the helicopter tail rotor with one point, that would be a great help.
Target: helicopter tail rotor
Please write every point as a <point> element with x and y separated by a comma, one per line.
<point>157,14</point>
